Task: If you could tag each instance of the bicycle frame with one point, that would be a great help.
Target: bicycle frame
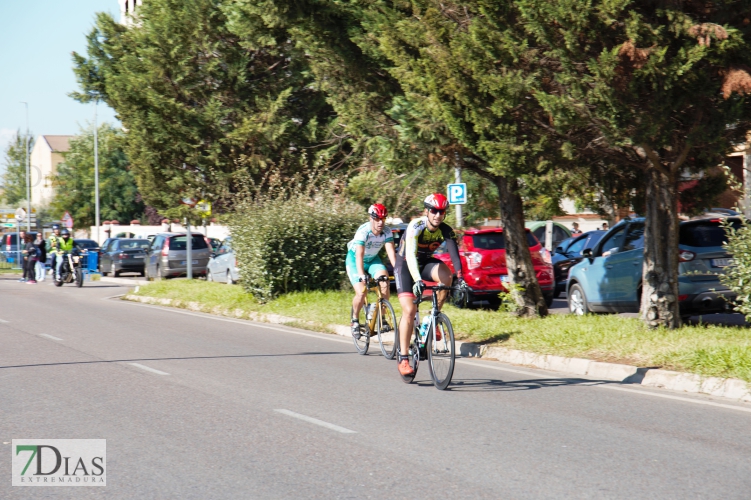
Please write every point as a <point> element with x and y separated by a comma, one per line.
<point>433,314</point>
<point>374,284</point>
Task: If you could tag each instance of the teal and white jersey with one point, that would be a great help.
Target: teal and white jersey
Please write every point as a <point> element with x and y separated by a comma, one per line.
<point>372,243</point>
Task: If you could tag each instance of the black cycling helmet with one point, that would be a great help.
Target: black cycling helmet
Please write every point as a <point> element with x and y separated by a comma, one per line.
<point>64,232</point>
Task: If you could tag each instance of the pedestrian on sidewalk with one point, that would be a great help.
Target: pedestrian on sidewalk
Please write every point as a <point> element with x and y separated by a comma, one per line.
<point>22,259</point>
<point>575,229</point>
<point>30,259</point>
<point>41,256</point>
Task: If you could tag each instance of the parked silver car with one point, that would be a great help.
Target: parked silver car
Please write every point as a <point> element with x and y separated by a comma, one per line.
<point>166,257</point>
<point>223,264</point>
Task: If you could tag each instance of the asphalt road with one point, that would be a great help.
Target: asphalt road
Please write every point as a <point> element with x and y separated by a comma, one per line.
<point>194,406</point>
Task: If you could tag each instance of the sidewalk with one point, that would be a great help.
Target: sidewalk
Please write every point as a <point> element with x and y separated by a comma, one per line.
<point>728,388</point>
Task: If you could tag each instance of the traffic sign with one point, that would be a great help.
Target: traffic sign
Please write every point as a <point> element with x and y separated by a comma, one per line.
<point>20,215</point>
<point>457,193</point>
<point>67,220</point>
<point>204,207</point>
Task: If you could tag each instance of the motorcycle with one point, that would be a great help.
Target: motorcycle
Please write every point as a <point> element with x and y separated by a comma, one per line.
<point>70,274</point>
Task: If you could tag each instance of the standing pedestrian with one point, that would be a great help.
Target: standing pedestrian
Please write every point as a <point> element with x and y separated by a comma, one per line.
<point>41,256</point>
<point>604,226</point>
<point>575,229</point>
<point>22,259</point>
<point>30,256</point>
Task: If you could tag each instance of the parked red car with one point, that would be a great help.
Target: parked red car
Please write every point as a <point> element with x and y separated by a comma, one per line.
<point>483,254</point>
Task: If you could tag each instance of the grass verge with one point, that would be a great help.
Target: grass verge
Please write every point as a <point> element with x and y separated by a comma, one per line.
<point>708,350</point>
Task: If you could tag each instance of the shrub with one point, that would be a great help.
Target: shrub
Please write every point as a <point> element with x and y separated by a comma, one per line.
<point>292,238</point>
<point>738,276</point>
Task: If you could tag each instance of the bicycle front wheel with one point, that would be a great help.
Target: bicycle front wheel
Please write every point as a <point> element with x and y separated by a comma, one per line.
<point>441,352</point>
<point>362,341</point>
<point>386,327</point>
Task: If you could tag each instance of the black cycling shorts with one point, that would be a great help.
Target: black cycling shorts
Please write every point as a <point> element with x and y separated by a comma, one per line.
<point>403,277</point>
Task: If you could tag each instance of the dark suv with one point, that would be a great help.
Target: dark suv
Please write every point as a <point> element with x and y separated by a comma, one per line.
<point>166,257</point>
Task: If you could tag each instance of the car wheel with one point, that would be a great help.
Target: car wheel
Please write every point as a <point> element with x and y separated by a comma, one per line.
<point>105,273</point>
<point>577,301</point>
<point>209,276</point>
<point>230,281</point>
<point>115,273</point>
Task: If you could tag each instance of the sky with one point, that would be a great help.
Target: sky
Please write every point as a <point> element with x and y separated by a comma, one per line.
<point>36,41</point>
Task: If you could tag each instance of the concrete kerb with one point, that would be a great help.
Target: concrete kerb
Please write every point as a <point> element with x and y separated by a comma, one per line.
<point>729,388</point>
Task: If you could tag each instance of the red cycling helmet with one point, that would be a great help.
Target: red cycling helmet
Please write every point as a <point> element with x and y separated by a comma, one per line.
<point>378,211</point>
<point>437,201</point>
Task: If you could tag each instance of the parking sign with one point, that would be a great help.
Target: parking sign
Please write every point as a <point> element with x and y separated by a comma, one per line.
<point>457,193</point>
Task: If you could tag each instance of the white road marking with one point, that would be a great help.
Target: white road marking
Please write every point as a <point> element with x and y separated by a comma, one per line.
<point>478,364</point>
<point>316,421</point>
<point>609,386</point>
<point>152,370</point>
<point>49,336</point>
<point>4,321</point>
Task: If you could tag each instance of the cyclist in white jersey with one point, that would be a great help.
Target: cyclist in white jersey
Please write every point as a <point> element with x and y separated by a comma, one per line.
<point>362,258</point>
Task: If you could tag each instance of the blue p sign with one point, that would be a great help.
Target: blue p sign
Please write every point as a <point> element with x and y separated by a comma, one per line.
<point>457,193</point>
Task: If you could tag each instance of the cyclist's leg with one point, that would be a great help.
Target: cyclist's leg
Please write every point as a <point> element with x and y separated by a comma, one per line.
<point>360,288</point>
<point>437,271</point>
<point>377,269</point>
<point>404,285</point>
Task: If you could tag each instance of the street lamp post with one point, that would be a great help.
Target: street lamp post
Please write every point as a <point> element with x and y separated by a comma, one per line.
<point>96,172</point>
<point>28,183</point>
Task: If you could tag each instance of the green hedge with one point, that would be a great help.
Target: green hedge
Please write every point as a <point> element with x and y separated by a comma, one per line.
<point>293,243</point>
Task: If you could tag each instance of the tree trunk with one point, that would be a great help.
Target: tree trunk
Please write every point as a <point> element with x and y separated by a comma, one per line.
<point>659,296</point>
<point>524,286</point>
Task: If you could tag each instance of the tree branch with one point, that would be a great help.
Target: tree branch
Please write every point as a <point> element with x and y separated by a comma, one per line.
<point>654,159</point>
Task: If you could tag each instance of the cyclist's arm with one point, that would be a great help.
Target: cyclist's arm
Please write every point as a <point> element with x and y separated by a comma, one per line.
<point>410,251</point>
<point>450,237</point>
<point>391,252</point>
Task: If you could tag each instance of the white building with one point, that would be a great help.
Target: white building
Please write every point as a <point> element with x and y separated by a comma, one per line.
<point>47,154</point>
<point>128,9</point>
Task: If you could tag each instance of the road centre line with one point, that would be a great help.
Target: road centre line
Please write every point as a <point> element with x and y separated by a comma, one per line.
<point>477,364</point>
<point>49,336</point>
<point>316,421</point>
<point>612,387</point>
<point>152,370</point>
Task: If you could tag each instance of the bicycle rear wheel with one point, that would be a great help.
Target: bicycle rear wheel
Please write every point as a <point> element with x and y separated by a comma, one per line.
<point>441,353</point>
<point>386,327</point>
<point>363,342</point>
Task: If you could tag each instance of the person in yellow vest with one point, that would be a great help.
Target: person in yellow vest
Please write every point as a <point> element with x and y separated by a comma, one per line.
<point>52,246</point>
<point>64,248</point>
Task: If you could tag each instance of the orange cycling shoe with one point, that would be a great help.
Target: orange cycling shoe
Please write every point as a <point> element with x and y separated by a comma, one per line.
<point>404,367</point>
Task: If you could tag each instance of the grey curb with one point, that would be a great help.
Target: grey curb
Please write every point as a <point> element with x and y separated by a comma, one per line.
<point>729,388</point>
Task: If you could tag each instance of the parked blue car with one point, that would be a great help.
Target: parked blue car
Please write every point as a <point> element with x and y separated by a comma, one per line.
<point>609,278</point>
<point>569,253</point>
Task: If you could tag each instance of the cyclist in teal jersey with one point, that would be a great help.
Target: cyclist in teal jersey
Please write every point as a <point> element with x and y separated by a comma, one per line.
<point>363,260</point>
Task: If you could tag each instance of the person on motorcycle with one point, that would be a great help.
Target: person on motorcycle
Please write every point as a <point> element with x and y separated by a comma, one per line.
<point>52,245</point>
<point>64,247</point>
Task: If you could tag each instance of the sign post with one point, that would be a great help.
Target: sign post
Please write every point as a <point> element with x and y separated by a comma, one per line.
<point>20,217</point>
<point>457,195</point>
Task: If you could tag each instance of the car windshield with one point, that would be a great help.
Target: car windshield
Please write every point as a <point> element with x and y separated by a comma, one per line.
<point>134,244</point>
<point>86,243</point>
<point>705,234</point>
<point>497,241</point>
<point>179,242</point>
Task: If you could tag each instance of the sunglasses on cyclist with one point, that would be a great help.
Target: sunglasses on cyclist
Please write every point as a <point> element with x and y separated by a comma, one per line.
<point>435,211</point>
<point>377,219</point>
